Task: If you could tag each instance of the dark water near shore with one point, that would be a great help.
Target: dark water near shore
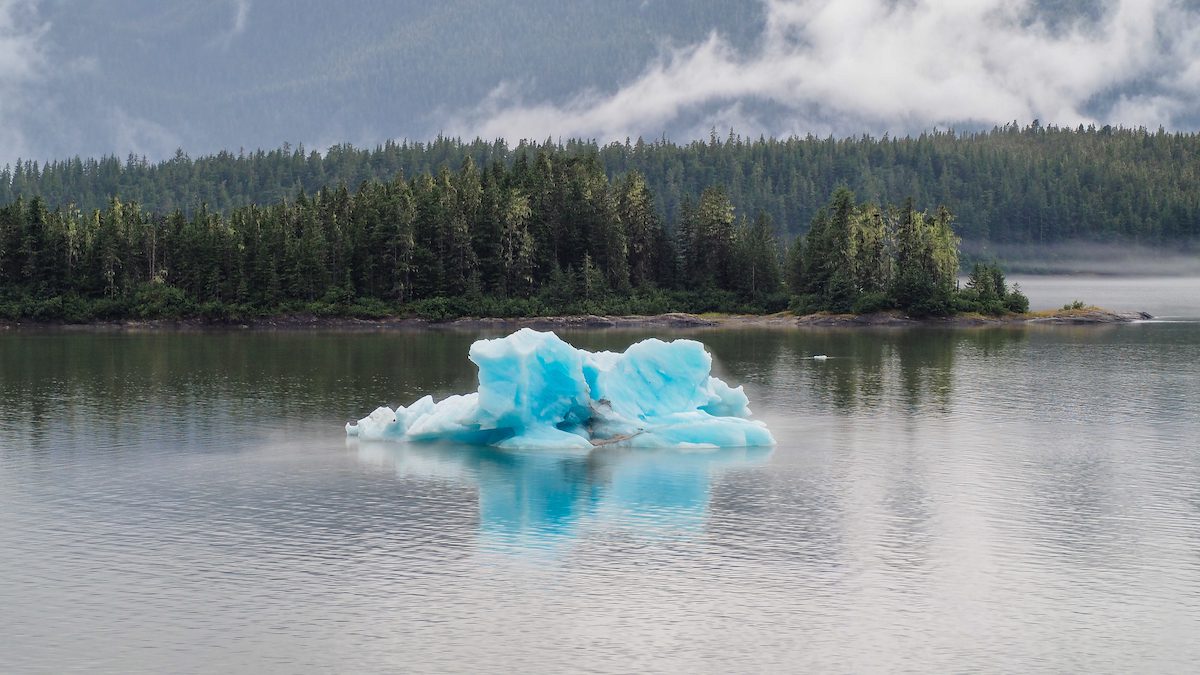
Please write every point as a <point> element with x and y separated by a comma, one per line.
<point>1002,499</point>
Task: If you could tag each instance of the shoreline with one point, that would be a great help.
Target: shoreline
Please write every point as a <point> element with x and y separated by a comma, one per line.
<point>675,321</point>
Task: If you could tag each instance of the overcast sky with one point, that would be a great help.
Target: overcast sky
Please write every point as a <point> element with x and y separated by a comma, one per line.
<point>150,76</point>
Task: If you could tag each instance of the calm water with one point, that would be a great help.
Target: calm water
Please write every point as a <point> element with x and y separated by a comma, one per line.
<point>977,500</point>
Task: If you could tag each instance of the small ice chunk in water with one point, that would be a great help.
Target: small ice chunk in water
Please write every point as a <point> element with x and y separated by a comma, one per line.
<point>538,392</point>
<point>374,426</point>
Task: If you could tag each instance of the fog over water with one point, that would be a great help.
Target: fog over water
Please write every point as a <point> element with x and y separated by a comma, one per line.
<point>1165,297</point>
<point>999,499</point>
<point>1083,258</point>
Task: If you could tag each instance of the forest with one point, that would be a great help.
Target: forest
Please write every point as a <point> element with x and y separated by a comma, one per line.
<point>1015,185</point>
<point>548,234</point>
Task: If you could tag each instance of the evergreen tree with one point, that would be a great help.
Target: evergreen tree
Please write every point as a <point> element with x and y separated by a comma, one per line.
<point>758,272</point>
<point>642,229</point>
<point>796,274</point>
<point>712,240</point>
<point>517,245</point>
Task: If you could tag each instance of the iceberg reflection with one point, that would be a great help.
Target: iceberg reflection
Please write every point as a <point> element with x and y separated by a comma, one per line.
<point>541,498</point>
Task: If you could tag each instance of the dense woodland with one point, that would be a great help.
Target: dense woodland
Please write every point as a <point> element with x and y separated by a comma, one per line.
<point>1032,184</point>
<point>548,234</point>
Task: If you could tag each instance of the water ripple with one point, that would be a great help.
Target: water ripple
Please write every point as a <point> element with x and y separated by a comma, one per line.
<point>940,500</point>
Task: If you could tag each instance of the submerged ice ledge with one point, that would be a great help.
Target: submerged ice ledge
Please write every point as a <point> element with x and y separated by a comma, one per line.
<point>536,391</point>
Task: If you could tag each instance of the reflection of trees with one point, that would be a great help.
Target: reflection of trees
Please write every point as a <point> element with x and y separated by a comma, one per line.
<point>540,497</point>
<point>926,364</point>
<point>115,388</point>
<point>993,341</point>
<point>866,368</point>
<point>746,355</point>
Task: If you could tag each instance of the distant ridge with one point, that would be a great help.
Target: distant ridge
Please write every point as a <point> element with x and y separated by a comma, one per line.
<point>1014,185</point>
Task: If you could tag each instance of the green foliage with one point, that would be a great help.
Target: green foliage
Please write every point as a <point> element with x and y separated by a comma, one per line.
<point>1034,184</point>
<point>1015,301</point>
<point>161,301</point>
<point>869,303</point>
<point>507,241</point>
<point>710,240</point>
<point>438,309</point>
<point>370,308</point>
<point>68,308</point>
<point>987,292</point>
<point>1077,304</point>
<point>756,273</point>
<point>863,258</point>
<point>794,266</point>
<point>548,235</point>
<point>806,303</point>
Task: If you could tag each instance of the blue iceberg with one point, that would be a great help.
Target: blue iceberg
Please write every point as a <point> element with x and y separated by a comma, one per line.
<point>538,392</point>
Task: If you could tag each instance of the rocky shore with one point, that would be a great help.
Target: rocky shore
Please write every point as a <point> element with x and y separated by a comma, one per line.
<point>1088,315</point>
<point>676,321</point>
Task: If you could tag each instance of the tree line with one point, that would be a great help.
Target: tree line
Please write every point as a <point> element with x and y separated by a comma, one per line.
<point>548,234</point>
<point>1028,185</point>
<point>862,258</point>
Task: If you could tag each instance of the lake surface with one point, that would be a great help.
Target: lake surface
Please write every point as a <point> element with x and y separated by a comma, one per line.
<point>1014,500</point>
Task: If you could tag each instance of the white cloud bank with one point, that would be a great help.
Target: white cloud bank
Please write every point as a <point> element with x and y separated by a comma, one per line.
<point>854,66</point>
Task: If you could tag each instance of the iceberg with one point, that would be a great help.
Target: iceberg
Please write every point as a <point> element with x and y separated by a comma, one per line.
<point>538,392</point>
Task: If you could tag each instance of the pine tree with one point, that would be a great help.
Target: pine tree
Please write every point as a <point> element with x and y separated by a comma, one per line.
<point>517,245</point>
<point>796,272</point>
<point>642,228</point>
<point>713,235</point>
<point>758,273</point>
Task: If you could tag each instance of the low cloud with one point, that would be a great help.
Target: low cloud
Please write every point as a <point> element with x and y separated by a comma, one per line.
<point>32,104</point>
<point>898,66</point>
<point>1088,257</point>
<point>241,15</point>
<point>241,12</point>
<point>141,137</point>
<point>22,62</point>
